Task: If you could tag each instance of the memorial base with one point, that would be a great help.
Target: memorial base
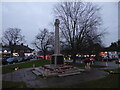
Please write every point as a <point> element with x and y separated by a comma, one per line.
<point>56,70</point>
<point>57,59</point>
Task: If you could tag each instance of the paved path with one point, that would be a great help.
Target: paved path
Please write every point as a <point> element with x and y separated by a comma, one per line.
<point>18,63</point>
<point>109,65</point>
<point>33,81</point>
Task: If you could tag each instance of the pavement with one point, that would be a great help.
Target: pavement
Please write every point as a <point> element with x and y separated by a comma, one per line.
<point>109,65</point>
<point>33,81</point>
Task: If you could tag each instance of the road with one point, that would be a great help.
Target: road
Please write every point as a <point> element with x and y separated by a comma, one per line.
<point>17,63</point>
<point>109,65</point>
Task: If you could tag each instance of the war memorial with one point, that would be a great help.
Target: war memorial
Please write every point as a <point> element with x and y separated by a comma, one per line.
<point>57,66</point>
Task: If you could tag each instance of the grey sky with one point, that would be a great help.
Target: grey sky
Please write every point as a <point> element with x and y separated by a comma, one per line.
<point>30,16</point>
<point>110,21</point>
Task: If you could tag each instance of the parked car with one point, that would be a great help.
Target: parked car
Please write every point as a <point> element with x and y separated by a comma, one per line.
<point>28,58</point>
<point>4,60</point>
<point>115,58</point>
<point>12,60</point>
<point>88,60</point>
<point>20,59</point>
<point>39,57</point>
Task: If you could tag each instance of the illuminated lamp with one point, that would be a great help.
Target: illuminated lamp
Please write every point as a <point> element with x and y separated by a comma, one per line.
<point>28,54</point>
<point>87,55</point>
<point>15,54</point>
<point>5,51</point>
<point>77,55</point>
<point>101,53</point>
<point>69,58</point>
<point>105,52</point>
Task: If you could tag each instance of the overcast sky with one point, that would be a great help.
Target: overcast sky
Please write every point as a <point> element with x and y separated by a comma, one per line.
<point>30,16</point>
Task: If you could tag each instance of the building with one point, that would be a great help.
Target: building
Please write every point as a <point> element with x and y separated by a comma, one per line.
<point>18,50</point>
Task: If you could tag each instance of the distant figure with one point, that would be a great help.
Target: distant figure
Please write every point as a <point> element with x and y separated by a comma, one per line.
<point>87,66</point>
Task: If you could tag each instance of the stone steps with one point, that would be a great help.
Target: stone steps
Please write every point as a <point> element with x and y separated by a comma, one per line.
<point>81,70</point>
<point>41,71</point>
<point>36,72</point>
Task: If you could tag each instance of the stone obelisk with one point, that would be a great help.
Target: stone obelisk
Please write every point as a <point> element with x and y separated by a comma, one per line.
<point>57,41</point>
<point>57,58</point>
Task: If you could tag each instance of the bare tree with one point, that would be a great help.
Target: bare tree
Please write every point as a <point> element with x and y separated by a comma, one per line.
<point>79,24</point>
<point>43,41</point>
<point>12,36</point>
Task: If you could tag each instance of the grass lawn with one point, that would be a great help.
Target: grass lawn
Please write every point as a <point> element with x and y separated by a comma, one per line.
<point>115,70</point>
<point>37,63</point>
<point>111,81</point>
<point>9,84</point>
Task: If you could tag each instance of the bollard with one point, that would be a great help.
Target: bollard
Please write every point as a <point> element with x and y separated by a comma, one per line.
<point>106,64</point>
<point>81,62</point>
<point>87,67</point>
<point>92,63</point>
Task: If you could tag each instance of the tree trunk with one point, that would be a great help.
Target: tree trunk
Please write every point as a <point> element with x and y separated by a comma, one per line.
<point>11,49</point>
<point>11,54</point>
<point>74,57</point>
<point>44,55</point>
